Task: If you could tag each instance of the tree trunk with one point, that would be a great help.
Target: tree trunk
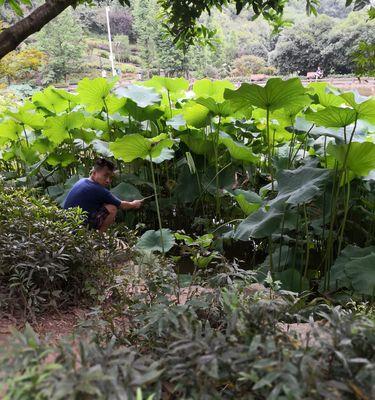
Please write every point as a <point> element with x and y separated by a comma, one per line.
<point>11,37</point>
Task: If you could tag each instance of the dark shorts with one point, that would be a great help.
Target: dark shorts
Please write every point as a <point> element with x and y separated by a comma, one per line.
<point>96,219</point>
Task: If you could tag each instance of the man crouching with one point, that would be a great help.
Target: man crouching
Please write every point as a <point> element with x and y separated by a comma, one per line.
<point>91,194</point>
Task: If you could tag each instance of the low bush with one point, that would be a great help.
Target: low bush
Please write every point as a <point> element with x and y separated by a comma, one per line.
<point>48,258</point>
<point>220,344</point>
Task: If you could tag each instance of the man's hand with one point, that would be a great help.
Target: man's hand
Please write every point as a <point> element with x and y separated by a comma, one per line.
<point>131,205</point>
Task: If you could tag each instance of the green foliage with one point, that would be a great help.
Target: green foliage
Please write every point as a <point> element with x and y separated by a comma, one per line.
<point>48,258</point>
<point>226,342</point>
<point>61,40</point>
<point>296,162</point>
<point>320,42</point>
<point>153,241</point>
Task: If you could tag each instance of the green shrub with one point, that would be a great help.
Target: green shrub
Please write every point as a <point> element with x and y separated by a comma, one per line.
<point>220,345</point>
<point>48,258</point>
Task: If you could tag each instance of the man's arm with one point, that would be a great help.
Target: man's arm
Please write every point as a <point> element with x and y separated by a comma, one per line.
<point>131,205</point>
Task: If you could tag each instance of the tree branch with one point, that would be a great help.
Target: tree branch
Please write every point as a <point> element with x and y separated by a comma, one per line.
<point>11,37</point>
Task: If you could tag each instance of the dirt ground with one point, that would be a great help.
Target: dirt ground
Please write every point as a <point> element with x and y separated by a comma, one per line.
<point>53,326</point>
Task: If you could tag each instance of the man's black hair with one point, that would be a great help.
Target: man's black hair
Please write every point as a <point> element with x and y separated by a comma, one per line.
<point>101,163</point>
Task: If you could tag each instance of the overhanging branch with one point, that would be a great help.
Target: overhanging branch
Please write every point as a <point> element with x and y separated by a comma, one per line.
<point>11,37</point>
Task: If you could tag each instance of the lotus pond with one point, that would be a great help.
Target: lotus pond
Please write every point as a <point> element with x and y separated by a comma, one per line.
<point>278,179</point>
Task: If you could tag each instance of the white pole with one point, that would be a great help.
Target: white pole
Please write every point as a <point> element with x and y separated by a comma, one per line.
<point>111,57</point>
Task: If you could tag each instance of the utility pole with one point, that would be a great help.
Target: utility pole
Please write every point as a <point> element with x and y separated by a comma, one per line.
<point>111,57</point>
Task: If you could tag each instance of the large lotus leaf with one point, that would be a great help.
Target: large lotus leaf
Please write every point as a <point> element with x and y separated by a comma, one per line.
<point>300,185</point>
<point>160,154</point>
<point>177,122</point>
<point>50,100</point>
<point>222,109</point>
<point>197,142</point>
<point>332,117</point>
<point>213,89</point>
<point>149,113</point>
<point>276,94</point>
<point>28,117</point>
<point>130,147</point>
<point>70,97</point>
<point>141,95</point>
<point>9,130</point>
<point>173,85</point>
<point>187,188</point>
<point>236,149</point>
<point>93,92</point>
<point>63,159</point>
<point>361,157</point>
<point>114,103</point>
<point>161,148</point>
<point>102,147</point>
<point>364,106</point>
<point>86,135</point>
<point>248,201</point>
<point>57,128</point>
<point>361,273</point>
<point>126,191</point>
<point>259,224</point>
<point>226,180</point>
<point>284,257</point>
<point>291,279</point>
<point>96,124</point>
<point>325,95</point>
<point>42,145</point>
<point>152,240</point>
<point>354,268</point>
<point>195,115</point>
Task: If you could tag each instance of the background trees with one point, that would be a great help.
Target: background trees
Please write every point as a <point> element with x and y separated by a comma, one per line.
<point>63,43</point>
<point>240,47</point>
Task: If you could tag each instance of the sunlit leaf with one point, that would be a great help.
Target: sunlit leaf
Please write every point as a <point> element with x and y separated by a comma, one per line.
<point>276,94</point>
<point>360,159</point>
<point>141,95</point>
<point>94,93</point>
<point>213,89</point>
<point>152,240</point>
<point>332,117</point>
<point>58,128</point>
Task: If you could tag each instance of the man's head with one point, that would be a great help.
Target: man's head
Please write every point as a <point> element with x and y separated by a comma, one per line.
<point>102,172</point>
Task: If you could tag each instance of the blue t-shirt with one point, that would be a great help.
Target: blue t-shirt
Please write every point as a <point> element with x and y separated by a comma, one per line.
<point>90,196</point>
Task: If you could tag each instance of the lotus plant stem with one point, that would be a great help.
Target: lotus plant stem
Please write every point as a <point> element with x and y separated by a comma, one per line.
<point>270,253</point>
<point>157,204</point>
<point>216,147</point>
<point>346,209</point>
<point>307,241</point>
<point>281,239</point>
<point>269,147</point>
<point>291,145</point>
<point>170,103</point>
<point>344,172</point>
<point>24,132</point>
<point>107,115</point>
<point>329,249</point>
<point>209,183</point>
<point>325,151</point>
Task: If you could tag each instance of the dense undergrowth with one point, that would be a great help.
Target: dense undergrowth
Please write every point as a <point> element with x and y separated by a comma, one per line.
<point>154,333</point>
<point>272,184</point>
<point>219,343</point>
<point>48,259</point>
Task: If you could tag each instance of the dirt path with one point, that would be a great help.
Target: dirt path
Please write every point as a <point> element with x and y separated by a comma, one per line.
<point>52,325</point>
